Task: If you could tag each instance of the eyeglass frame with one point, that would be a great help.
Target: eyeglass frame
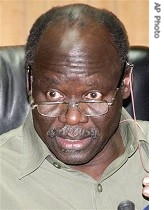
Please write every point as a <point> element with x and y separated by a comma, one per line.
<point>126,65</point>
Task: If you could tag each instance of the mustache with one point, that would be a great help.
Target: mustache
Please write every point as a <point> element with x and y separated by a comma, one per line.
<point>73,132</point>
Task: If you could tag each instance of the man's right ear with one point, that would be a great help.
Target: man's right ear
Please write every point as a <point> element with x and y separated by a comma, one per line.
<point>29,80</point>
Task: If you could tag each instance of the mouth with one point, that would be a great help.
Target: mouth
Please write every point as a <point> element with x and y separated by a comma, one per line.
<point>69,144</point>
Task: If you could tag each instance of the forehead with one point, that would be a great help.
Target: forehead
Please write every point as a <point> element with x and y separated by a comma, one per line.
<point>87,36</point>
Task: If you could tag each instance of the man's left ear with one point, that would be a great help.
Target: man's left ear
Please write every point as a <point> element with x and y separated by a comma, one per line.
<point>126,85</point>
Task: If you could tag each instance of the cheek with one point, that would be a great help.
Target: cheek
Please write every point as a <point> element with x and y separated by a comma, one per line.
<point>107,124</point>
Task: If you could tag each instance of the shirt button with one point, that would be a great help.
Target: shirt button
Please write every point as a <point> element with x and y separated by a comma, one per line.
<point>99,188</point>
<point>57,165</point>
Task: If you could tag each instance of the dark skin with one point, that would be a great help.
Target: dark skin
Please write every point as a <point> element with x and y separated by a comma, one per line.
<point>73,65</point>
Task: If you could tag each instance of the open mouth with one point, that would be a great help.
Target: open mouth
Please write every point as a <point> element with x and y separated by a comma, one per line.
<point>70,144</point>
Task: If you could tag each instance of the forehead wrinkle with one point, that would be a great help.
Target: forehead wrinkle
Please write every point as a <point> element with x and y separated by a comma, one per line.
<point>70,71</point>
<point>71,61</point>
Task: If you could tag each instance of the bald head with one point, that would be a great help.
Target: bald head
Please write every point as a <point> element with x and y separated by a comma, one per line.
<point>79,18</point>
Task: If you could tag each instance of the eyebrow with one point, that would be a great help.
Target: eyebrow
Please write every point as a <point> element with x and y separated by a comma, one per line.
<point>49,81</point>
<point>91,83</point>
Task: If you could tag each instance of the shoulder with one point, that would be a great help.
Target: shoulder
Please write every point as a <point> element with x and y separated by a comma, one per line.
<point>144,124</point>
<point>11,139</point>
<point>11,147</point>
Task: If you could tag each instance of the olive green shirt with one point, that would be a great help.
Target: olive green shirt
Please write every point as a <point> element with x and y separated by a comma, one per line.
<point>31,178</point>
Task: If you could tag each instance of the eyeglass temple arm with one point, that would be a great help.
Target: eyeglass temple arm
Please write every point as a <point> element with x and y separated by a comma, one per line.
<point>125,67</point>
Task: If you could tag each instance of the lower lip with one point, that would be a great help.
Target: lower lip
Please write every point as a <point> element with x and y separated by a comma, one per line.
<point>72,144</point>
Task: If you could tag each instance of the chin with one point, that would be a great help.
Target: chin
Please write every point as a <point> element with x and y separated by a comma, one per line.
<point>72,159</point>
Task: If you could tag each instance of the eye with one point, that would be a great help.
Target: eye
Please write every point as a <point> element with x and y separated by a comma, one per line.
<point>95,95</point>
<point>54,95</point>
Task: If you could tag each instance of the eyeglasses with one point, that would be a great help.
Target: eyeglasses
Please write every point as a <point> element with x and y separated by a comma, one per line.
<point>87,108</point>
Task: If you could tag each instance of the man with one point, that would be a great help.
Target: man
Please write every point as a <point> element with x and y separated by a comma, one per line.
<point>78,148</point>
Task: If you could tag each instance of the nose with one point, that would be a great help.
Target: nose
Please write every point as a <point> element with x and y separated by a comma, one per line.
<point>73,117</point>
